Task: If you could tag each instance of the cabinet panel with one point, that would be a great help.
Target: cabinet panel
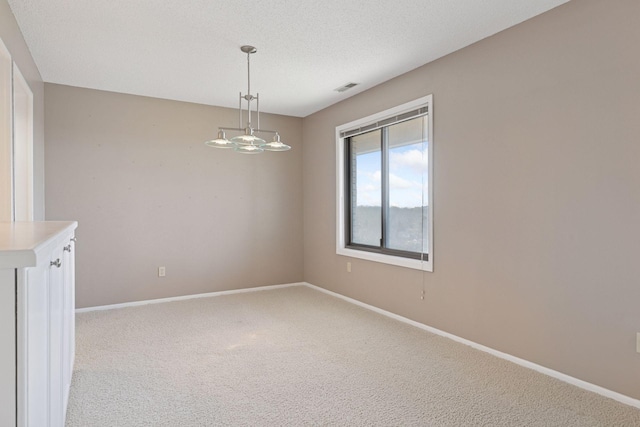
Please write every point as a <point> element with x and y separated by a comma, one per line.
<point>7,352</point>
<point>33,310</point>
<point>56,313</point>
<point>68,330</point>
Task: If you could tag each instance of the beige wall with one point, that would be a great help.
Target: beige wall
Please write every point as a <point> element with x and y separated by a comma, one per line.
<point>12,38</point>
<point>537,194</point>
<point>146,191</point>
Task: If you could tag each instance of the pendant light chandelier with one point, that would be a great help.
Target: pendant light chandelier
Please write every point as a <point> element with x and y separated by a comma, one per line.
<point>248,142</point>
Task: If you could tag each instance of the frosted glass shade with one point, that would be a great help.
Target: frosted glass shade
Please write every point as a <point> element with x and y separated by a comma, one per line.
<point>275,145</point>
<point>247,139</point>
<point>220,142</point>
<point>249,149</point>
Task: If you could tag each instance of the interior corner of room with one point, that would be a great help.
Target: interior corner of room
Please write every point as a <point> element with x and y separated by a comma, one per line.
<point>534,174</point>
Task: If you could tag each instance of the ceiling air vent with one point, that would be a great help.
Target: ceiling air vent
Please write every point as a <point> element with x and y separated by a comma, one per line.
<point>346,87</point>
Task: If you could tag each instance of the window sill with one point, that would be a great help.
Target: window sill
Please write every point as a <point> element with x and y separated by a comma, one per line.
<point>387,259</point>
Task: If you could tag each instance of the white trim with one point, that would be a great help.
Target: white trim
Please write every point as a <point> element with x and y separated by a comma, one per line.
<point>384,258</point>
<point>186,297</point>
<point>6,134</point>
<point>341,248</point>
<point>518,361</point>
<point>22,147</point>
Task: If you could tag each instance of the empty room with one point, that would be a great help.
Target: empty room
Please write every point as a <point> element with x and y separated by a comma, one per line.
<point>304,213</point>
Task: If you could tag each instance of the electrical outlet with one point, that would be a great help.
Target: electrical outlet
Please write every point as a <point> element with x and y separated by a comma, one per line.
<point>348,267</point>
<point>162,271</point>
<point>638,342</point>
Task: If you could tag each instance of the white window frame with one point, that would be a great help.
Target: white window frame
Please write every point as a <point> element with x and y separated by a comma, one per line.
<point>341,248</point>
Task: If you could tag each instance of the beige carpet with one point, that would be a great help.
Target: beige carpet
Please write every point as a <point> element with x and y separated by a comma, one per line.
<point>295,356</point>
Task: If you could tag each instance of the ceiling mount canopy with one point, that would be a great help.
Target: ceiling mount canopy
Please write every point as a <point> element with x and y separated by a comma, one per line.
<point>247,142</point>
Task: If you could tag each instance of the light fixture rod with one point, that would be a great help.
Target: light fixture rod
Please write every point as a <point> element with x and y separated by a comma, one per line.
<point>248,96</point>
<point>248,50</point>
<point>255,130</point>
<point>249,75</point>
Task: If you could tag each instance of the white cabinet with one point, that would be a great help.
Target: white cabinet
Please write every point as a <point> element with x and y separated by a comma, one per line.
<point>69,312</point>
<point>37,347</point>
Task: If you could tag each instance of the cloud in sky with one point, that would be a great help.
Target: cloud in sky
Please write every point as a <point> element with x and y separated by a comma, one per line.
<point>368,187</point>
<point>397,183</point>
<point>403,192</point>
<point>414,159</point>
<point>407,177</point>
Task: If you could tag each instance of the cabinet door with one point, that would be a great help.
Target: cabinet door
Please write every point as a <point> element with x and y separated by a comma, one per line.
<point>68,327</point>
<point>33,346</point>
<point>7,349</point>
<point>72,298</point>
<point>56,322</point>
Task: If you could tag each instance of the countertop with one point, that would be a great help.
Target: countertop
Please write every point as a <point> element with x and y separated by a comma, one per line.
<point>20,242</point>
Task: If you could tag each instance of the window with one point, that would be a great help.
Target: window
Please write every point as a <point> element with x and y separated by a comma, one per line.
<point>384,206</point>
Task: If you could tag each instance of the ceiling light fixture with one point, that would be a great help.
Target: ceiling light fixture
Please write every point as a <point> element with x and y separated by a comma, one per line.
<point>248,143</point>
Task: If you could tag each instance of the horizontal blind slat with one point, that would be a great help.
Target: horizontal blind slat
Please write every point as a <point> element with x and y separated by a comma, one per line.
<point>385,122</point>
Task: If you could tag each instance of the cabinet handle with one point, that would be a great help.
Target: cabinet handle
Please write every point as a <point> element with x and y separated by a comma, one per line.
<point>74,239</point>
<point>67,248</point>
<point>57,263</point>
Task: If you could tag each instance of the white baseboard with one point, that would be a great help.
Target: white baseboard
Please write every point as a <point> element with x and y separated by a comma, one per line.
<point>518,361</point>
<point>186,297</point>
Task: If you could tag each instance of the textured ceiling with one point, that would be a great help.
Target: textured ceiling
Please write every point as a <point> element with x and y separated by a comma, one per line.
<point>188,50</point>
